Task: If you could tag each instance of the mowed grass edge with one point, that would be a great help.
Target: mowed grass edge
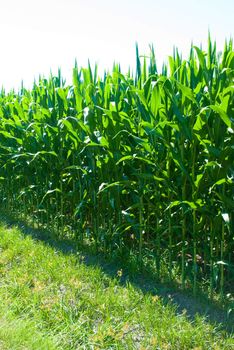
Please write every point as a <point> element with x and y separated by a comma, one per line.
<point>54,301</point>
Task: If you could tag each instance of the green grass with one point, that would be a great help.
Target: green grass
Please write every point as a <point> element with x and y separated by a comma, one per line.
<point>52,300</point>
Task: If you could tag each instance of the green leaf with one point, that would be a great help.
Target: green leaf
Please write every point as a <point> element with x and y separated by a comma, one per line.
<point>222,115</point>
<point>49,192</point>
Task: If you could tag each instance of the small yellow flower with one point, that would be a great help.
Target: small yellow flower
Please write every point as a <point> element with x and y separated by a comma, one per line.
<point>75,282</point>
<point>153,341</point>
<point>38,286</point>
<point>120,273</point>
<point>155,298</point>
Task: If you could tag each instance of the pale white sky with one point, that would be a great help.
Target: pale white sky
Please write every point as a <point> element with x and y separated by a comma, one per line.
<point>37,36</point>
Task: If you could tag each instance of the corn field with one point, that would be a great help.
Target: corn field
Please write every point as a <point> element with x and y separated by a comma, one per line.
<point>133,162</point>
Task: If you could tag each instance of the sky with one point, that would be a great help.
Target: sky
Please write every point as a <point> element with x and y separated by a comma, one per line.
<point>38,36</point>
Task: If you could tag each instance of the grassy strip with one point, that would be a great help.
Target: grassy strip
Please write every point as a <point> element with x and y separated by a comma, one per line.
<point>23,333</point>
<point>51,300</point>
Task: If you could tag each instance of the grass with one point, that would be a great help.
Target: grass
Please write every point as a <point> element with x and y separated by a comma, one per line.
<point>53,300</point>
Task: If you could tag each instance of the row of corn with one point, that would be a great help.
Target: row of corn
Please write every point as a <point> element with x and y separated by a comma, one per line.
<point>141,164</point>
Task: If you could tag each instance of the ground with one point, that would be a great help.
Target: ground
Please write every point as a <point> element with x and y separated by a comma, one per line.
<point>54,297</point>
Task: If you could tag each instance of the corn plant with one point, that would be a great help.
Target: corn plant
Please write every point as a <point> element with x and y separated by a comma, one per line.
<point>134,162</point>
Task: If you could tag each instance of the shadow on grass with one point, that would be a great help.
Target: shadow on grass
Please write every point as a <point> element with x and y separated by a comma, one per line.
<point>147,283</point>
